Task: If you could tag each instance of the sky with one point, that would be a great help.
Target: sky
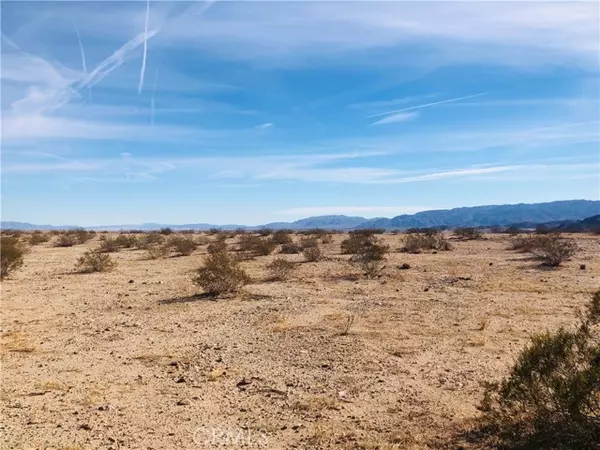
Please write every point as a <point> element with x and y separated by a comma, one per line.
<point>250,112</point>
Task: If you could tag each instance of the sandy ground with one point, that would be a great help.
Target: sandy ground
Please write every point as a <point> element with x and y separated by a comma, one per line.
<point>129,359</point>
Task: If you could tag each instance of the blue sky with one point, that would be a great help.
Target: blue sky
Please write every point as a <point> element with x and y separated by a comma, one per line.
<point>252,112</point>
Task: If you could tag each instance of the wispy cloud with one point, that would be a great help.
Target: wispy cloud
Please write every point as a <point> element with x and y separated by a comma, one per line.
<point>426,105</point>
<point>397,117</point>
<point>264,126</point>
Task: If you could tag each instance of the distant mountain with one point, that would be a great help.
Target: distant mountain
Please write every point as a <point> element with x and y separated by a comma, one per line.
<point>559,213</point>
<point>501,215</point>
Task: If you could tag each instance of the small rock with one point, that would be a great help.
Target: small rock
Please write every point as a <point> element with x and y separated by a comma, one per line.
<point>85,426</point>
<point>181,380</point>
<point>582,266</point>
<point>404,266</point>
<point>491,264</point>
<point>184,402</point>
<point>131,281</point>
<point>296,426</point>
<point>426,290</point>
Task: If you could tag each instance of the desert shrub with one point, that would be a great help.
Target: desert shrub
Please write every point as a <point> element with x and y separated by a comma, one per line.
<point>367,231</point>
<point>11,255</point>
<point>65,240</point>
<point>417,242</point>
<point>221,274</point>
<point>280,269</point>
<point>217,247</point>
<point>551,398</point>
<point>256,245</point>
<point>291,248</point>
<point>82,235</point>
<point>468,233</point>
<point>183,245</point>
<point>355,242</point>
<point>308,241</point>
<point>166,231</point>
<point>94,261</point>
<point>282,237</point>
<point>312,254</point>
<point>126,240</point>
<point>369,257</point>
<point>157,251</point>
<point>214,230</point>
<point>265,232</point>
<point>524,244</point>
<point>37,237</point>
<point>553,250</point>
<point>150,239</point>
<point>497,230</point>
<point>108,245</point>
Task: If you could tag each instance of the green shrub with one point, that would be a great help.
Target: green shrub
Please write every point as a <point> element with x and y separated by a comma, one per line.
<point>185,246</point>
<point>280,269</point>
<point>369,257</point>
<point>166,231</point>
<point>11,255</point>
<point>553,250</point>
<point>551,398</point>
<point>221,274</point>
<point>94,261</point>
<point>468,233</point>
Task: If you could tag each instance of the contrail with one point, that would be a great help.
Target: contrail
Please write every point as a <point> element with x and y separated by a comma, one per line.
<point>141,83</point>
<point>80,47</point>
<point>114,61</point>
<point>428,104</point>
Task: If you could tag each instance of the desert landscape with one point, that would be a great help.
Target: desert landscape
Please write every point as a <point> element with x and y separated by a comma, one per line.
<point>317,356</point>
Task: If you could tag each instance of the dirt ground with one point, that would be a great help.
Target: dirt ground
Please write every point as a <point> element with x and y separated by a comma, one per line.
<point>131,359</point>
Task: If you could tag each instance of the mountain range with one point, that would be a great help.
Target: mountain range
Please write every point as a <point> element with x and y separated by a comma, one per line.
<point>560,212</point>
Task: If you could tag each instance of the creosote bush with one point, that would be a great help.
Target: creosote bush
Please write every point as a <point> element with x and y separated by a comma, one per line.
<point>551,398</point>
<point>216,247</point>
<point>108,245</point>
<point>11,255</point>
<point>126,240</point>
<point>256,246</point>
<point>280,269</point>
<point>37,237</point>
<point>368,251</point>
<point>94,261</point>
<point>221,274</point>
<point>430,240</point>
<point>468,233</point>
<point>551,249</point>
<point>157,251</point>
<point>185,246</point>
<point>282,237</point>
<point>149,240</point>
<point>65,240</point>
<point>291,248</point>
<point>312,254</point>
